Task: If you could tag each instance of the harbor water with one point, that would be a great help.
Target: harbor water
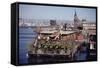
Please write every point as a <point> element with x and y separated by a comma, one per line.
<point>26,36</point>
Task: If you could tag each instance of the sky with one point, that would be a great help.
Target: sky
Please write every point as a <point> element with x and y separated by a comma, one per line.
<point>54,12</point>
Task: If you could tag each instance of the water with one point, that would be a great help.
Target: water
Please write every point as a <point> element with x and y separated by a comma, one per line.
<point>82,55</point>
<point>26,36</point>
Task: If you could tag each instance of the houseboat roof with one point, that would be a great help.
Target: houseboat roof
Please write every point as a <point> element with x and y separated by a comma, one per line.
<point>61,32</point>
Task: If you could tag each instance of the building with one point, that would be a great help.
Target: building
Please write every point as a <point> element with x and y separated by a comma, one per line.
<point>77,21</point>
<point>90,28</point>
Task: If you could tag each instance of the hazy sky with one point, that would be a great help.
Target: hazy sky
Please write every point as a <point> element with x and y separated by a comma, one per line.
<point>62,13</point>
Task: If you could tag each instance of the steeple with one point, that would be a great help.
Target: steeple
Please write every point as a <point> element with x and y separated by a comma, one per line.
<point>75,16</point>
<point>76,20</point>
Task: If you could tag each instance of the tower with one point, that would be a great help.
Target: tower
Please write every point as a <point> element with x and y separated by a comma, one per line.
<point>76,20</point>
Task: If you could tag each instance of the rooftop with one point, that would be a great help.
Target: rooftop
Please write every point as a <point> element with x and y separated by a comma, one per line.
<point>61,32</point>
